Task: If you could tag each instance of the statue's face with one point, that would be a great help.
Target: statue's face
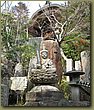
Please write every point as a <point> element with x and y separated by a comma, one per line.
<point>44,54</point>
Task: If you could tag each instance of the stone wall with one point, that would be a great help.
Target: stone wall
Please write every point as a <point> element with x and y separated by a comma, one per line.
<point>4,91</point>
<point>84,96</point>
<point>4,95</point>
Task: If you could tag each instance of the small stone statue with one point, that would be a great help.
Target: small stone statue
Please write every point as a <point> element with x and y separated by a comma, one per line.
<point>44,73</point>
<point>46,62</point>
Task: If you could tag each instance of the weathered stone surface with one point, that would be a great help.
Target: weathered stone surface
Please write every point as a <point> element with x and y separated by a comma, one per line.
<point>44,88</point>
<point>46,73</point>
<point>44,95</point>
<point>4,91</point>
<point>78,66</point>
<point>44,92</point>
<point>85,60</point>
<point>4,95</point>
<point>69,65</point>
<point>85,94</point>
<point>79,103</point>
<point>50,96</point>
<point>54,54</point>
<point>42,76</point>
<point>35,104</point>
<point>18,70</point>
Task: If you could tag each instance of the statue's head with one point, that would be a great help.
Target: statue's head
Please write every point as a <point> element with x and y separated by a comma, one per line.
<point>44,54</point>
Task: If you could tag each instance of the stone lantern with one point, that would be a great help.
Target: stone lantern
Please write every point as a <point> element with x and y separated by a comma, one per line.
<point>74,79</point>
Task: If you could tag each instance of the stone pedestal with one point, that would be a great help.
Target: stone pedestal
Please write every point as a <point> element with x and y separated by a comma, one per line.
<point>49,96</point>
<point>44,95</point>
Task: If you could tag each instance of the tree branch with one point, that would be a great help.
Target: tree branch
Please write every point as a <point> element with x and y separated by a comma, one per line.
<point>3,3</point>
<point>68,33</point>
<point>62,54</point>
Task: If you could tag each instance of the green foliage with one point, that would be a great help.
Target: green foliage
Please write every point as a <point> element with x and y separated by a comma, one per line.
<point>74,45</point>
<point>7,30</point>
<point>80,10</point>
<point>64,86</point>
<point>76,35</point>
<point>14,36</point>
<point>28,52</point>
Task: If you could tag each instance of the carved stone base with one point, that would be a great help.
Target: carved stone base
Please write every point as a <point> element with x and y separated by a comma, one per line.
<point>44,95</point>
<point>49,96</point>
<point>44,76</point>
